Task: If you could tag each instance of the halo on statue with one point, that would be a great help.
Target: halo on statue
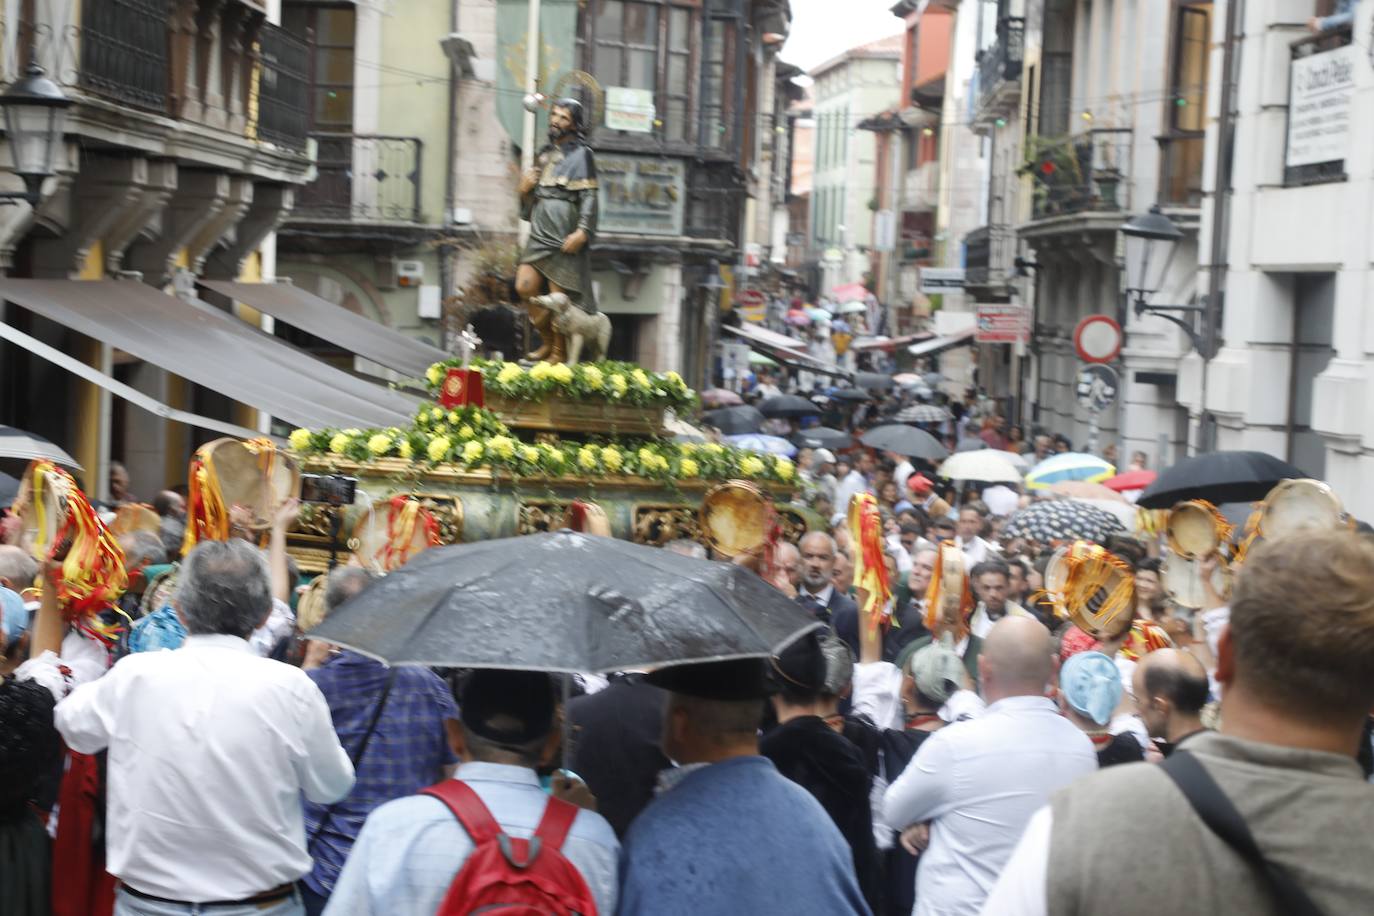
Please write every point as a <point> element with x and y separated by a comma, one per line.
<point>562,89</point>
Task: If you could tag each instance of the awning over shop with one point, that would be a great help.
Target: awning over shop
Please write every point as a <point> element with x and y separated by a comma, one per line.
<point>888,344</point>
<point>336,324</point>
<point>785,350</point>
<point>939,344</point>
<point>214,349</point>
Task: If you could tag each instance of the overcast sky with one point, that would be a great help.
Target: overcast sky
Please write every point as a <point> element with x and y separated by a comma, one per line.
<point>822,29</point>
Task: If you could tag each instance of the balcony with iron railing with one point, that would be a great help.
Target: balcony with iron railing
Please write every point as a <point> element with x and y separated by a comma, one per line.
<point>1088,172</point>
<point>999,67</point>
<point>212,62</point>
<point>989,254</point>
<point>363,178</point>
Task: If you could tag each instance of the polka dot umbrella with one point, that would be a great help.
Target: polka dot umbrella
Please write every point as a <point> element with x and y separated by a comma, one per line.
<point>1052,521</point>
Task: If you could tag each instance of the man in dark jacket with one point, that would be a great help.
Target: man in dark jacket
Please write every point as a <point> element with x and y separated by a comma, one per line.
<point>808,748</point>
<point>818,594</point>
<point>617,746</point>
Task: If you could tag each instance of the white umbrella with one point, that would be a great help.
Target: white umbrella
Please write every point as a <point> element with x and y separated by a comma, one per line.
<point>1020,460</point>
<point>1003,501</point>
<point>982,466</point>
<point>850,308</point>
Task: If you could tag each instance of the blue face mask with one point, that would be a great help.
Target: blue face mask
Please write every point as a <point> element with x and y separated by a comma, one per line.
<point>15,616</point>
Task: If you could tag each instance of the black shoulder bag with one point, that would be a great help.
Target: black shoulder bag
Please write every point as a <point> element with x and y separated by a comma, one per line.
<point>1222,818</point>
<point>356,758</point>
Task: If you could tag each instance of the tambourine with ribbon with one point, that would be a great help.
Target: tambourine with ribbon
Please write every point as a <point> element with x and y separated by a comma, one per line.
<point>1196,529</point>
<point>1099,593</point>
<point>870,567</point>
<point>387,540</point>
<point>253,476</point>
<point>738,520</point>
<point>64,526</point>
<point>949,600</point>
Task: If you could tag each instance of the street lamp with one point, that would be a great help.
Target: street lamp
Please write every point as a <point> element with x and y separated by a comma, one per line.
<point>35,119</point>
<point>1151,239</point>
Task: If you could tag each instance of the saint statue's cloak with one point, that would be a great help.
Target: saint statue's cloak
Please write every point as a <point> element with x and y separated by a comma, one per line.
<point>563,201</point>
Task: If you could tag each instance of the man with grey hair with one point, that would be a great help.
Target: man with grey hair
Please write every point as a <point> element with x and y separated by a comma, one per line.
<point>18,568</point>
<point>818,594</point>
<point>398,724</point>
<point>209,748</point>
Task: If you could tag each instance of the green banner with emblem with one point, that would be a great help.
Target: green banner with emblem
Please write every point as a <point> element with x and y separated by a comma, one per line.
<point>557,56</point>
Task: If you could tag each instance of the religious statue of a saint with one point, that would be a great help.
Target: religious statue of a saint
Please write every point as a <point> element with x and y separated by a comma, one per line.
<point>558,197</point>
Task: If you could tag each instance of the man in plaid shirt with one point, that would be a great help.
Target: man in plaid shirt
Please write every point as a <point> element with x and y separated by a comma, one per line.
<point>408,750</point>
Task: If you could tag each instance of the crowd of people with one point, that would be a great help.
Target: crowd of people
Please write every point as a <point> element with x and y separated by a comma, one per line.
<point>195,752</point>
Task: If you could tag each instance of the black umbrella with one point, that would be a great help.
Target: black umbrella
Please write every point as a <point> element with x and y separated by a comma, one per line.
<point>850,394</point>
<point>788,405</point>
<point>734,421</point>
<point>905,440</point>
<point>25,446</point>
<point>564,601</point>
<point>873,380</point>
<point>822,437</point>
<point>9,488</point>
<point>971,444</point>
<point>1218,477</point>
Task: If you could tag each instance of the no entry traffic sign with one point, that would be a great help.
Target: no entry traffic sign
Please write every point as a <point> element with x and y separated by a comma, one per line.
<point>1097,339</point>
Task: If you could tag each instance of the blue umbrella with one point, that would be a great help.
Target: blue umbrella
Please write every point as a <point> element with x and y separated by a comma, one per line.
<point>1069,466</point>
<point>757,442</point>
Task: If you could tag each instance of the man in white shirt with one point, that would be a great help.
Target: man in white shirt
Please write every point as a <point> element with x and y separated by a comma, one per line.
<point>972,517</point>
<point>902,471</point>
<point>977,783</point>
<point>856,481</point>
<point>210,748</point>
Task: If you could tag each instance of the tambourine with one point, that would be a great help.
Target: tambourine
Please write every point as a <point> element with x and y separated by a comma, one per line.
<point>1099,594</point>
<point>1057,571</point>
<point>62,525</point>
<point>42,507</point>
<point>587,517</point>
<point>1196,529</point>
<point>1181,579</point>
<point>310,606</point>
<point>1300,505</point>
<point>253,476</point>
<point>736,518</point>
<point>132,517</point>
<point>387,538</point>
<point>949,601</point>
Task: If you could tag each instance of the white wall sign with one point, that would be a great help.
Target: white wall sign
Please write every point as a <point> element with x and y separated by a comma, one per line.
<point>641,195</point>
<point>630,109</point>
<point>1320,89</point>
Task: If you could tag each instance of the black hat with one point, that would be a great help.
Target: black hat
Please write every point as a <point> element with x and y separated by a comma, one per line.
<point>801,667</point>
<point>736,679</point>
<point>511,708</point>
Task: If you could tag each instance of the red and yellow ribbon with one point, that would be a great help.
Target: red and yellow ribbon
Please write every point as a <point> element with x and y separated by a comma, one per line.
<point>207,517</point>
<point>870,568</point>
<point>403,515</point>
<point>92,576</point>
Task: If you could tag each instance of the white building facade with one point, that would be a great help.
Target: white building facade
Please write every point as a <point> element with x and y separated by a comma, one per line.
<point>1291,375</point>
<point>858,83</point>
<point>1114,100</point>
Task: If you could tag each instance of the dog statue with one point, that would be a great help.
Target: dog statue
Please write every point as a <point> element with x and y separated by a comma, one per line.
<point>577,328</point>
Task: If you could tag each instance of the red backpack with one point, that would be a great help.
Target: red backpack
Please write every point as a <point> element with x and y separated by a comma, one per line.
<point>507,876</point>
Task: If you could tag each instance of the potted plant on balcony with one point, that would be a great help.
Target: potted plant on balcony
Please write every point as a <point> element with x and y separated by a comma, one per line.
<point>1053,163</point>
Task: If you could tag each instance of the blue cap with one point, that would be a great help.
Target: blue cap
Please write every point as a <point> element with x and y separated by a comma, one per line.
<point>1091,685</point>
<point>13,614</point>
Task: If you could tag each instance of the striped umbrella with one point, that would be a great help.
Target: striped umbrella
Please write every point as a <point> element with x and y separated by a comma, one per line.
<point>1069,466</point>
<point>923,413</point>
